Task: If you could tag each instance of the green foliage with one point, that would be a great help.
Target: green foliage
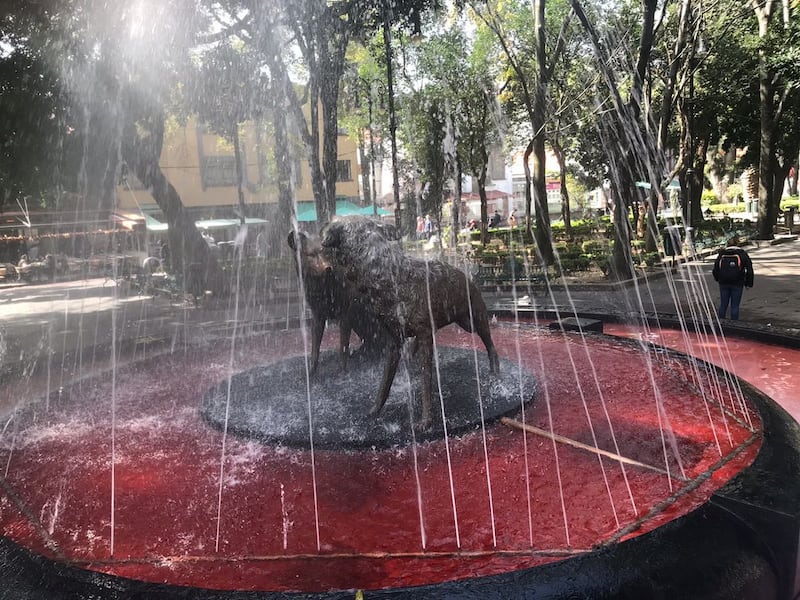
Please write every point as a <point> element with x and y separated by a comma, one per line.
<point>725,208</point>
<point>735,192</point>
<point>709,197</point>
<point>41,146</point>
<point>571,264</point>
<point>582,228</point>
<point>566,250</point>
<point>596,247</point>
<point>651,259</point>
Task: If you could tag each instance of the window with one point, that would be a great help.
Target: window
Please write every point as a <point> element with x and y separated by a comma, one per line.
<point>343,171</point>
<point>218,171</point>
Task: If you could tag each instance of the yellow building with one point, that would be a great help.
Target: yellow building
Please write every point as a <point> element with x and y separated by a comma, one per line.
<point>202,167</point>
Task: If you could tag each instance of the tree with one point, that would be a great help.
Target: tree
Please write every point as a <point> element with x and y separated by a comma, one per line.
<point>40,153</point>
<point>778,79</point>
<point>226,91</point>
<point>528,87</point>
<point>321,31</point>
<point>462,123</point>
<point>627,139</point>
<point>117,88</point>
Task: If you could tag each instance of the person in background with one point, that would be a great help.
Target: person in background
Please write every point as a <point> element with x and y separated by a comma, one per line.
<point>512,219</point>
<point>733,270</point>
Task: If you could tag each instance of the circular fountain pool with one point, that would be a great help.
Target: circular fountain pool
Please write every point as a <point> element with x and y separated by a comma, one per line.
<point>118,474</point>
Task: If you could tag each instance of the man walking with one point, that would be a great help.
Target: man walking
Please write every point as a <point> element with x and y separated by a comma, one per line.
<point>733,270</point>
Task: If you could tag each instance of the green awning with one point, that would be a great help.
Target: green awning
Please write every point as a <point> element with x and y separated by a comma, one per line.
<point>153,224</point>
<point>307,211</point>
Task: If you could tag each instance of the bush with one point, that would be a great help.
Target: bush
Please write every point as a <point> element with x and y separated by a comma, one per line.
<point>603,262</point>
<point>567,250</point>
<point>709,197</point>
<point>651,258</point>
<point>575,263</point>
<point>725,208</point>
<point>790,202</point>
<point>582,228</point>
<point>595,247</point>
<point>734,193</point>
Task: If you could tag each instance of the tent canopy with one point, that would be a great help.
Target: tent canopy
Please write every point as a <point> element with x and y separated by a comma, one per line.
<point>154,224</point>
<point>307,211</point>
<point>673,185</point>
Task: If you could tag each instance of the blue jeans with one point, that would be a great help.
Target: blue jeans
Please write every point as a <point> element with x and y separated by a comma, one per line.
<point>730,294</point>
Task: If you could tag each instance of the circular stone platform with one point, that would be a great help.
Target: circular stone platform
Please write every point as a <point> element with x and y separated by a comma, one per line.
<point>271,403</point>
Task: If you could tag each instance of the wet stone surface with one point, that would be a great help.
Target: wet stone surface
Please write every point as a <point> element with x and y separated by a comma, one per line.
<point>271,403</point>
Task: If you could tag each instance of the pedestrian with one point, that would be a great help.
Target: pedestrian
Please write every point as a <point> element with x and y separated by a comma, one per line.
<point>733,270</point>
<point>428,227</point>
<point>495,220</point>
<point>420,228</point>
<point>512,219</point>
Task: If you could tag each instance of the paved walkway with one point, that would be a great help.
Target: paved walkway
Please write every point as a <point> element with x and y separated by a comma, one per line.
<point>83,309</point>
<point>774,300</point>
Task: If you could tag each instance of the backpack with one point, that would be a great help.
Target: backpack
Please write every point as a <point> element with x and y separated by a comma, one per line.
<point>731,269</point>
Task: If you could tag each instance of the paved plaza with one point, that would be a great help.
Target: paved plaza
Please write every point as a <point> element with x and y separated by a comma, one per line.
<point>85,308</point>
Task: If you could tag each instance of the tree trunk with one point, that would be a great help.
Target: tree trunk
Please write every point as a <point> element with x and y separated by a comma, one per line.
<point>330,137</point>
<point>186,245</point>
<point>622,262</point>
<point>566,214</point>
<point>526,167</point>
<point>365,170</point>
<point>698,182</point>
<point>767,213</point>
<point>457,204</point>
<point>283,168</point>
<point>237,155</point>
<point>651,231</point>
<point>779,180</point>
<point>484,207</point>
<point>544,242</point>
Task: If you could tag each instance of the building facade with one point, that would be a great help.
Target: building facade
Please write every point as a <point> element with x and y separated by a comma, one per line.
<point>202,167</point>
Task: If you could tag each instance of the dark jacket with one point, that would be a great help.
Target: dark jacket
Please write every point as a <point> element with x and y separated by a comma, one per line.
<point>745,277</point>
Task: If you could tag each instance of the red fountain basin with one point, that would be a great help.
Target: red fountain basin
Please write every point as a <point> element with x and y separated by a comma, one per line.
<point>120,474</point>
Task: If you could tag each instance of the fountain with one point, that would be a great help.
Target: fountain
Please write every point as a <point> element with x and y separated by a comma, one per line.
<point>155,449</point>
<point>119,482</point>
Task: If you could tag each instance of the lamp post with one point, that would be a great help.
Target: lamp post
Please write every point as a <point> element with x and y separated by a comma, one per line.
<point>372,156</point>
<point>688,221</point>
<point>369,85</point>
<point>387,43</point>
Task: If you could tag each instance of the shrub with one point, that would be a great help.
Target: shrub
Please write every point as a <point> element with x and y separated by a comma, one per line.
<point>709,197</point>
<point>651,258</point>
<point>595,246</point>
<point>734,193</point>
<point>574,263</point>
<point>567,250</point>
<point>790,202</point>
<point>582,228</point>
<point>602,261</point>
